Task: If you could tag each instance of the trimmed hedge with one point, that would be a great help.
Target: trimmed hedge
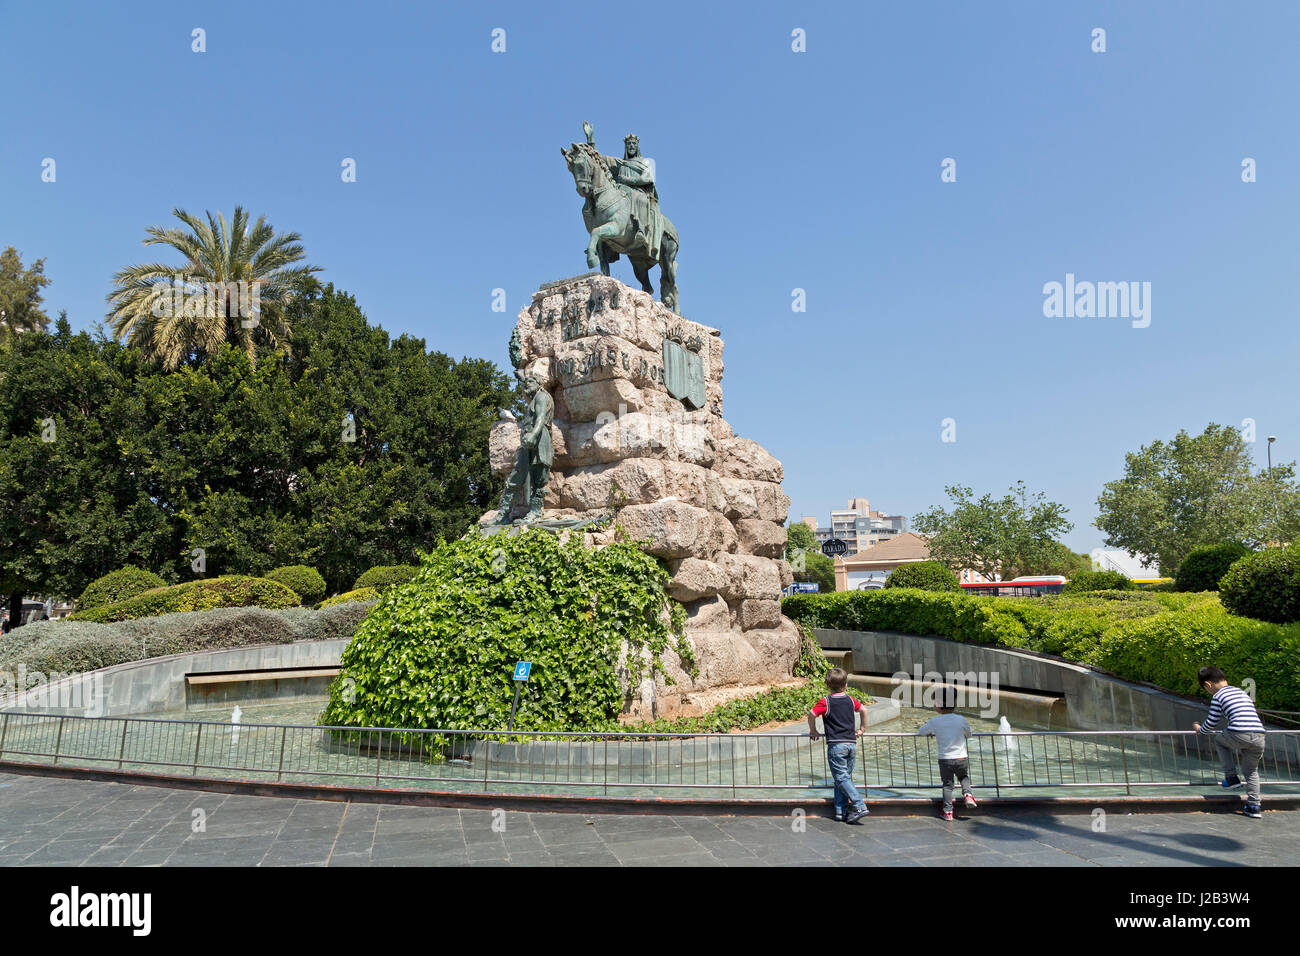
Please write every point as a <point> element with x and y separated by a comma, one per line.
<point>71,647</point>
<point>360,594</point>
<point>925,575</point>
<point>306,582</point>
<point>1086,581</point>
<point>1265,585</point>
<point>1205,566</point>
<point>384,576</point>
<point>125,582</point>
<point>1138,635</point>
<point>231,590</point>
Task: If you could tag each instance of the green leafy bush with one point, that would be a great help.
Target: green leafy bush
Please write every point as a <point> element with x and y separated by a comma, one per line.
<point>125,582</point>
<point>439,650</point>
<point>1265,585</point>
<point>925,575</point>
<point>1097,581</point>
<point>231,590</point>
<point>1138,635</point>
<point>347,597</point>
<point>1205,566</point>
<point>306,582</point>
<point>71,647</point>
<point>909,611</point>
<point>383,577</point>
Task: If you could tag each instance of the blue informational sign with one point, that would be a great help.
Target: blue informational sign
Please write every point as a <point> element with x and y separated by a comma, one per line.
<point>802,587</point>
<point>522,669</point>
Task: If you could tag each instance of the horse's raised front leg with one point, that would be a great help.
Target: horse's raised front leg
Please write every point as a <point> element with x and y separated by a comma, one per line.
<point>605,230</point>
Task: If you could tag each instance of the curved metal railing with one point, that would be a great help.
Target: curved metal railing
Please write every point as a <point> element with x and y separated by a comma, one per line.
<point>714,766</point>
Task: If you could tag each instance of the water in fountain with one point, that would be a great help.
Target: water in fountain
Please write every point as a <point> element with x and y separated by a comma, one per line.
<point>1010,746</point>
<point>234,720</point>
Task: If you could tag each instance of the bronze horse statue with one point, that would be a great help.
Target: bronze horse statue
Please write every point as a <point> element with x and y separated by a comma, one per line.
<point>615,229</point>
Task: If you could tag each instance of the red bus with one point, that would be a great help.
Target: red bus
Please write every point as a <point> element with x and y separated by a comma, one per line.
<point>1031,586</point>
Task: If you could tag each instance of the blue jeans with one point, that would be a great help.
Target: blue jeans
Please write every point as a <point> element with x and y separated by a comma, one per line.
<point>841,758</point>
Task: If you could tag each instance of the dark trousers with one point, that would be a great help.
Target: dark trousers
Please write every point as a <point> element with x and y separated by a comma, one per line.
<point>950,770</point>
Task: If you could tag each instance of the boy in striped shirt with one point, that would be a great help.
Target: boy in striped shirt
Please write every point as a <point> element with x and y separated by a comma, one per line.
<point>1242,739</point>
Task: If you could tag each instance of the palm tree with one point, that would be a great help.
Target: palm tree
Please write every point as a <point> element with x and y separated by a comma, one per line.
<point>233,288</point>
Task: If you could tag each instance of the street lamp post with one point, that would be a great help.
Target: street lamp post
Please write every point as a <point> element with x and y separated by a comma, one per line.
<point>1277,524</point>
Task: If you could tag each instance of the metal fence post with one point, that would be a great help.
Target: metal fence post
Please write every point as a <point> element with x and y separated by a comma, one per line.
<point>198,738</point>
<point>997,787</point>
<point>279,772</point>
<point>121,751</point>
<point>58,741</point>
<point>1123,757</point>
<point>4,732</point>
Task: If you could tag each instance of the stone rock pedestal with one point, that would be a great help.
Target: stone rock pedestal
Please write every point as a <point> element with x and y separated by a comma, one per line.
<point>630,443</point>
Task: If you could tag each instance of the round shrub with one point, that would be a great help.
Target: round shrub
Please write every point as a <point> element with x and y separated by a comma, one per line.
<point>233,590</point>
<point>1205,566</point>
<point>1097,581</point>
<point>382,577</point>
<point>925,575</point>
<point>118,585</point>
<point>304,581</point>
<point>1264,585</point>
<point>439,651</point>
<point>360,594</point>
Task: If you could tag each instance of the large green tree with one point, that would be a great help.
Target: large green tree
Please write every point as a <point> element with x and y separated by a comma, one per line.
<point>20,296</point>
<point>72,505</point>
<point>349,450</point>
<point>1057,558</point>
<point>1195,490</point>
<point>1008,536</point>
<point>806,558</point>
<point>234,287</point>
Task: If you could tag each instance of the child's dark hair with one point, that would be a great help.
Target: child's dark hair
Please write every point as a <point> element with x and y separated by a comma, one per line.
<point>837,678</point>
<point>1210,675</point>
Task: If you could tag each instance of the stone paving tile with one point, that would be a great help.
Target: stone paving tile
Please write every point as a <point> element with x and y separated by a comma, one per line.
<point>50,821</point>
<point>108,856</point>
<point>653,848</point>
<point>66,852</point>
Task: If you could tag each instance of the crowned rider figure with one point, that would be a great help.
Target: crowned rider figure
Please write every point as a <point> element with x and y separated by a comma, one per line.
<point>635,174</point>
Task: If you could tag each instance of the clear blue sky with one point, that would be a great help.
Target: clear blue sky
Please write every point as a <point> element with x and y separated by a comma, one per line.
<point>818,171</point>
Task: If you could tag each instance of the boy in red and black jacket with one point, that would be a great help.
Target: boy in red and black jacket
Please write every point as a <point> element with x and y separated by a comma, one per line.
<point>839,713</point>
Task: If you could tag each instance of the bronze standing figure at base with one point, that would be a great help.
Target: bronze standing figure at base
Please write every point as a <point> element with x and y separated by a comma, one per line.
<point>527,481</point>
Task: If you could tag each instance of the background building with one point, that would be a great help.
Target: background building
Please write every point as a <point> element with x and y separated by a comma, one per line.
<point>870,568</point>
<point>1134,566</point>
<point>859,527</point>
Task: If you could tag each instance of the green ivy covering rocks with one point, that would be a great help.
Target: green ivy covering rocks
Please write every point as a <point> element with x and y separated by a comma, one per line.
<point>438,651</point>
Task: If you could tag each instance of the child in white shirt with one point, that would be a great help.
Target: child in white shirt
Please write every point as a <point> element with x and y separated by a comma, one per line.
<point>950,731</point>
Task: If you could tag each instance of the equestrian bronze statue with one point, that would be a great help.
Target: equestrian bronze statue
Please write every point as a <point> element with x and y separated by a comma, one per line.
<point>622,214</point>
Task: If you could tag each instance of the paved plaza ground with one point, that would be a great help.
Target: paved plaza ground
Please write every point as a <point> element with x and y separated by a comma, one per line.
<point>58,822</point>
